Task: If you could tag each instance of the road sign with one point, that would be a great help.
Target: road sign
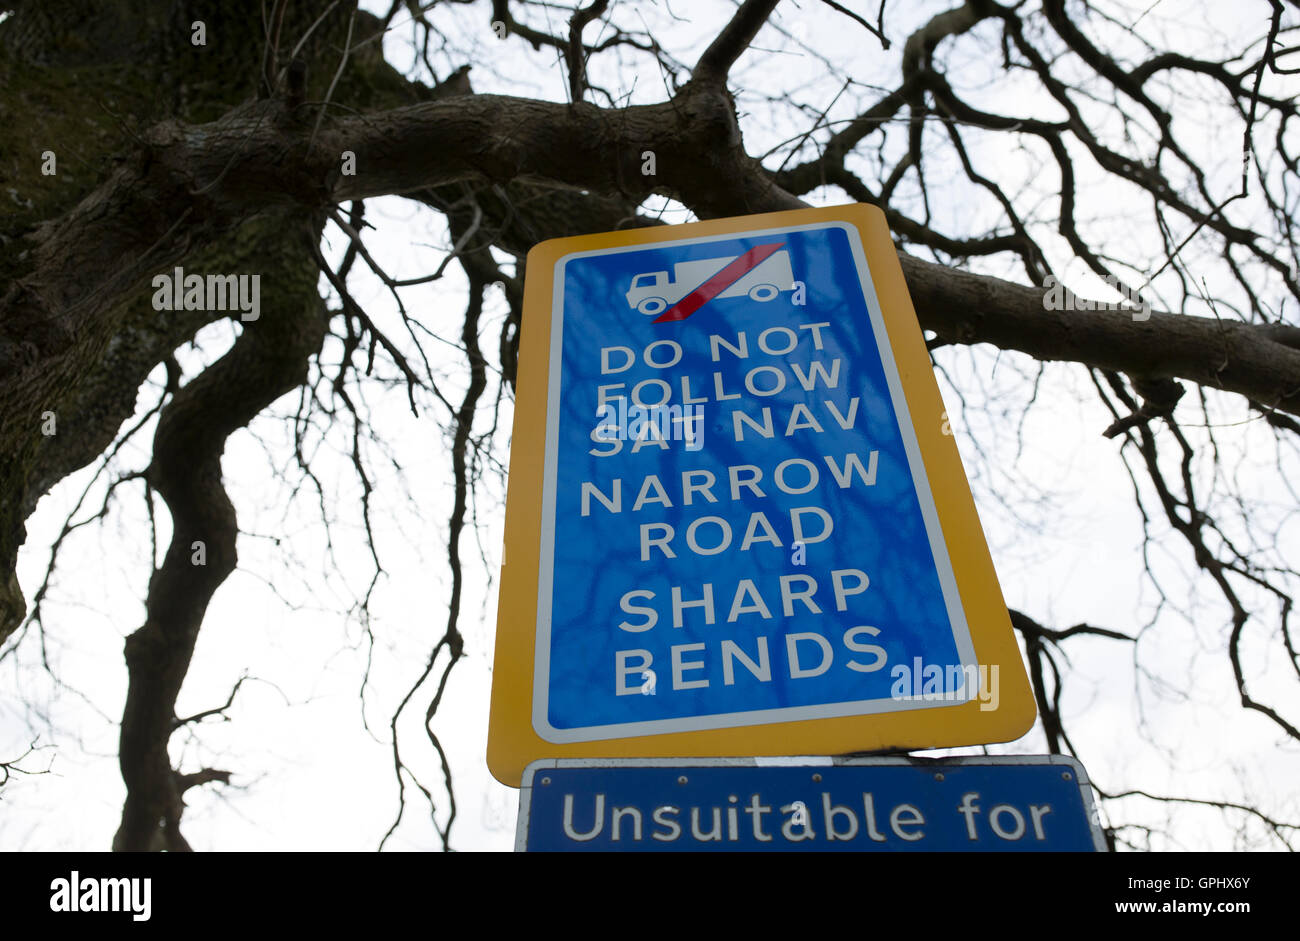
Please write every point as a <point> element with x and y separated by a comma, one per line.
<point>736,523</point>
<point>1010,804</point>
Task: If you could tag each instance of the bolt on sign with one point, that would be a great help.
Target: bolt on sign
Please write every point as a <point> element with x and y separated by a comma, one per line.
<point>735,524</point>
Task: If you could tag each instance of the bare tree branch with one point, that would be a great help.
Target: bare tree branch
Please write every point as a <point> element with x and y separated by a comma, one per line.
<point>732,42</point>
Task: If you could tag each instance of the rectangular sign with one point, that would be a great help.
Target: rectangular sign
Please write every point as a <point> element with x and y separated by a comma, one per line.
<point>1010,804</point>
<point>736,514</point>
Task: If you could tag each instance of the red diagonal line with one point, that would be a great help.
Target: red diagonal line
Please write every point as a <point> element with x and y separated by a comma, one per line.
<point>724,279</point>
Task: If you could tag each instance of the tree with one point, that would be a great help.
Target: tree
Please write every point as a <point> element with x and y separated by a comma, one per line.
<point>1018,148</point>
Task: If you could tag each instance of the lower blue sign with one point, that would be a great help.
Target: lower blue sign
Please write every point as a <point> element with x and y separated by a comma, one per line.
<point>1017,804</point>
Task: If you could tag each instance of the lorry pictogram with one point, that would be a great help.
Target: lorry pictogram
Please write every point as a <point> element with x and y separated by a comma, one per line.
<point>653,291</point>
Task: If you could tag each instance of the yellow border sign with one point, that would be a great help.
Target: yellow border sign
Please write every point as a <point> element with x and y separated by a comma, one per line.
<point>520,731</point>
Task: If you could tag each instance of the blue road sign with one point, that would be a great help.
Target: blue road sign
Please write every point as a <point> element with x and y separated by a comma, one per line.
<point>757,539</point>
<point>1010,804</point>
<point>737,517</point>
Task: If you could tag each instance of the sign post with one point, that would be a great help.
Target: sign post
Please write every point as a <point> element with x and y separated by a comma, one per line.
<point>736,521</point>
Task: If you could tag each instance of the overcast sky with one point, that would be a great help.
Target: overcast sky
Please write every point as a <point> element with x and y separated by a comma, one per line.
<point>309,745</point>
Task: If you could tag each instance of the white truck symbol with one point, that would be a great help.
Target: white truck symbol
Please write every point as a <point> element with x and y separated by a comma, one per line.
<point>652,291</point>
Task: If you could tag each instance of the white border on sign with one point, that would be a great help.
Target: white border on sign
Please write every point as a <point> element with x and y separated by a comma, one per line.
<point>546,557</point>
